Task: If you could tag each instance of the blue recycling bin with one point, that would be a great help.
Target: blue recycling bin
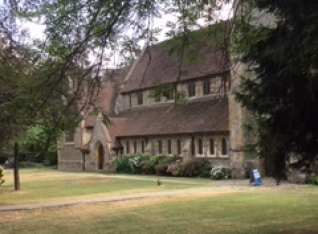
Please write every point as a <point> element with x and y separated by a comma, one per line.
<point>257,180</point>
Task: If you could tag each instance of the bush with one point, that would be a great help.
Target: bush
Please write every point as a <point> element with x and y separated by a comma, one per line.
<point>122,164</point>
<point>195,167</point>
<point>161,168</point>
<point>1,176</point>
<point>313,180</point>
<point>136,163</point>
<point>174,168</point>
<point>220,173</point>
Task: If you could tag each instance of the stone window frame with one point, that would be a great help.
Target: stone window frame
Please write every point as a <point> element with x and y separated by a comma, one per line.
<point>224,147</point>
<point>206,87</point>
<point>200,148</point>
<point>169,147</point>
<point>211,139</point>
<point>179,147</point>
<point>160,146</point>
<point>191,89</point>
<point>140,98</point>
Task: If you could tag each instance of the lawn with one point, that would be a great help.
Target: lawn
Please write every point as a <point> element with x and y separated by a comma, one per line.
<point>226,210</point>
<point>262,211</point>
<point>43,185</point>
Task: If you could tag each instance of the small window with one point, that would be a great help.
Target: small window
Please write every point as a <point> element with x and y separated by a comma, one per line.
<point>206,87</point>
<point>169,146</point>
<point>224,146</point>
<point>140,98</point>
<point>143,146</point>
<point>200,146</point>
<point>191,89</point>
<point>135,147</point>
<point>69,136</point>
<point>127,147</point>
<point>160,146</point>
<point>192,147</point>
<point>179,146</point>
<point>211,147</point>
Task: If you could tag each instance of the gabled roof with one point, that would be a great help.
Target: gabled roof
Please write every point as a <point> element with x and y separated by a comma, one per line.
<point>170,61</point>
<point>205,116</point>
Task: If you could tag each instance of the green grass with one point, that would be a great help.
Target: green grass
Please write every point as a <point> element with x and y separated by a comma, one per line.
<point>38,185</point>
<point>258,212</point>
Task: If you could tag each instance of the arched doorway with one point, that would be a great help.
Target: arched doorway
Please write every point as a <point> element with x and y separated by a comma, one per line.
<point>100,159</point>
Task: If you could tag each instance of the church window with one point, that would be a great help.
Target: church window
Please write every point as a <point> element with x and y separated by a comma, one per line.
<point>160,146</point>
<point>206,87</point>
<point>192,147</point>
<point>143,146</point>
<point>169,146</point>
<point>223,146</point>
<point>127,147</point>
<point>211,146</point>
<point>179,146</point>
<point>200,146</point>
<point>135,147</point>
<point>140,98</point>
<point>69,136</point>
<point>191,89</point>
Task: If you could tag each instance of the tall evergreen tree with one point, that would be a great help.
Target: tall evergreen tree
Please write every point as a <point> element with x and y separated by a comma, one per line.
<point>281,90</point>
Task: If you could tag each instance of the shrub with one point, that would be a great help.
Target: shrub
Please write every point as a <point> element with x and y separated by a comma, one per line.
<point>147,168</point>
<point>136,163</point>
<point>220,173</point>
<point>312,180</point>
<point>122,164</point>
<point>195,167</point>
<point>174,168</point>
<point>1,176</point>
<point>161,168</point>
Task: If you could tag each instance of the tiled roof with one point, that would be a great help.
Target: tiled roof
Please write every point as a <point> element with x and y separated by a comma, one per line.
<point>157,65</point>
<point>206,116</point>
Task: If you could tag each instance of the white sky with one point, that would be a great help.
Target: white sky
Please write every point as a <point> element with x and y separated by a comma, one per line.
<point>37,30</point>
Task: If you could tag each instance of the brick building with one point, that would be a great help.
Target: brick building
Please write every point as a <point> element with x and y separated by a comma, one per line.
<point>206,123</point>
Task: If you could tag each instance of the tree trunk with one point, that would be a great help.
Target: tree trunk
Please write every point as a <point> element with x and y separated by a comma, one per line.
<point>16,167</point>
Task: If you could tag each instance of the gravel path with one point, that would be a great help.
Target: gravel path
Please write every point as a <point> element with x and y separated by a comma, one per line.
<point>211,187</point>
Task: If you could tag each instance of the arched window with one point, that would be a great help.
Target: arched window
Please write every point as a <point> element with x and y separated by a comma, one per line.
<point>191,89</point>
<point>160,146</point>
<point>211,146</point>
<point>140,98</point>
<point>179,146</point>
<point>135,147</point>
<point>200,146</point>
<point>143,146</point>
<point>224,146</point>
<point>169,146</point>
<point>206,87</point>
<point>127,147</point>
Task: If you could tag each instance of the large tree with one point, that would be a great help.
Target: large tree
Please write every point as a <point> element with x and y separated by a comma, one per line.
<point>279,44</point>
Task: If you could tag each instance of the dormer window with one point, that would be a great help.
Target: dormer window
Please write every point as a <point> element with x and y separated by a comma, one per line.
<point>140,98</point>
<point>191,90</point>
<point>206,87</point>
